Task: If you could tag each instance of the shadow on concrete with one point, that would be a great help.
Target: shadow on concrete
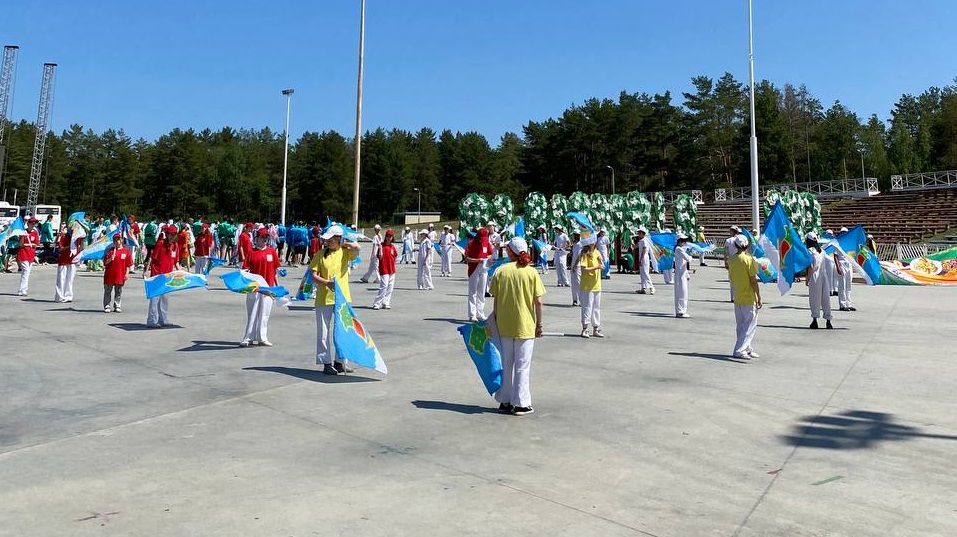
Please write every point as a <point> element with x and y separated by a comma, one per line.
<point>852,429</point>
<point>710,300</point>
<point>649,314</point>
<point>802,327</point>
<point>454,407</point>
<point>73,309</point>
<point>561,306</point>
<point>783,307</point>
<point>312,375</point>
<point>719,357</point>
<point>140,327</point>
<point>209,346</point>
<point>310,307</point>
<point>445,320</point>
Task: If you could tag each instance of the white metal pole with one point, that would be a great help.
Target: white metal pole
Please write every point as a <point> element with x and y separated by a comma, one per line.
<point>362,41</point>
<point>754,136</point>
<point>285,161</point>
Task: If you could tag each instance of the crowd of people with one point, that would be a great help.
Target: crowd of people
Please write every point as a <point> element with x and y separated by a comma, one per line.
<point>506,268</point>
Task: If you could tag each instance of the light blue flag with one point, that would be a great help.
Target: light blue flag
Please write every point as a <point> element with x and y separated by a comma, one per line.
<point>129,238</point>
<point>351,339</point>
<point>348,233</point>
<point>15,229</point>
<point>307,288</point>
<point>784,247</point>
<point>664,244</point>
<point>582,220</point>
<point>212,263</point>
<point>495,266</point>
<point>480,344</point>
<point>766,271</point>
<point>865,262</point>
<point>97,248</point>
<point>701,247</point>
<point>243,281</point>
<point>178,280</point>
<point>519,228</point>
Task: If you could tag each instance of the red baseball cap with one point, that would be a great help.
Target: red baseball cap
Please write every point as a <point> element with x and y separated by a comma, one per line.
<point>263,232</point>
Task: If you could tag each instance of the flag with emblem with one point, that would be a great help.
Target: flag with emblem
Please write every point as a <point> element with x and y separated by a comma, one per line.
<point>353,342</point>
<point>178,280</point>
<point>480,344</point>
<point>766,271</point>
<point>854,243</point>
<point>784,247</point>
<point>243,281</point>
<point>664,250</point>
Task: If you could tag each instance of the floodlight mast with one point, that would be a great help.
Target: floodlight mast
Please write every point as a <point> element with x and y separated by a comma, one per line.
<point>6,90</point>
<point>43,121</point>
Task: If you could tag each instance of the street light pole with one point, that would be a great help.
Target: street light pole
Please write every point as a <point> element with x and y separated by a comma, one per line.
<point>754,136</point>
<point>358,159</point>
<point>285,161</point>
<point>418,215</point>
<point>612,179</point>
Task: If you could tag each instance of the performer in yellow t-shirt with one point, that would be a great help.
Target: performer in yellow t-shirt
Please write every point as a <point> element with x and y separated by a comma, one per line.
<point>591,262</point>
<point>328,266</point>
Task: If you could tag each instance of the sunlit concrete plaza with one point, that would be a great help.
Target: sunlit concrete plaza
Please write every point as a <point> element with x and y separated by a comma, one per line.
<point>108,428</point>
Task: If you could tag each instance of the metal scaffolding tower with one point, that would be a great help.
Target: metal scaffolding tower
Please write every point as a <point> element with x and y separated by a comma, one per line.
<point>6,90</point>
<point>43,120</point>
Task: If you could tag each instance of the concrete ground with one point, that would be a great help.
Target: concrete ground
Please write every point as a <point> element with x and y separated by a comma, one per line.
<point>107,428</point>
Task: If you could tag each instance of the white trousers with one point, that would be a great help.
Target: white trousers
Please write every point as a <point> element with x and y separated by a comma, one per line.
<point>373,271</point>
<point>644,273</point>
<point>844,289</point>
<point>831,269</point>
<point>681,296</point>
<point>201,262</point>
<point>576,284</point>
<point>701,258</point>
<point>478,281</point>
<point>112,296</point>
<point>669,275</point>
<point>561,268</point>
<point>25,268</point>
<point>516,366</point>
<point>447,261</point>
<point>423,277</point>
<point>324,348</point>
<point>746,321</point>
<point>591,309</point>
<point>158,311</point>
<point>819,295</point>
<point>64,282</point>
<point>386,285</point>
<point>258,308</point>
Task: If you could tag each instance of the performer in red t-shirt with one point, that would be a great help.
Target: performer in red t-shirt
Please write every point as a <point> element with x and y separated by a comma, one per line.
<point>27,254</point>
<point>245,245</point>
<point>117,262</point>
<point>201,249</point>
<point>65,267</point>
<point>165,259</point>
<point>264,261</point>
<point>387,255</point>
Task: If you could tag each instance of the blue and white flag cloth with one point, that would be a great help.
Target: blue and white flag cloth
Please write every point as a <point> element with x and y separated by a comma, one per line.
<point>581,220</point>
<point>178,280</point>
<point>98,247</point>
<point>766,271</point>
<point>348,233</point>
<point>245,282</point>
<point>495,265</point>
<point>352,341</point>
<point>701,247</point>
<point>16,229</point>
<point>480,343</point>
<point>784,248</point>
<point>212,263</point>
<point>854,244</point>
<point>664,244</point>
<point>129,238</point>
<point>307,288</point>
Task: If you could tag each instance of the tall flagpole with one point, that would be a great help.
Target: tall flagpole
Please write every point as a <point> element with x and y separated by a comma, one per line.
<point>755,194</point>
<point>362,42</point>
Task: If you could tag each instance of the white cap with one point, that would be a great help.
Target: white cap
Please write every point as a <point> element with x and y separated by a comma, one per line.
<point>735,228</point>
<point>407,228</point>
<point>843,230</point>
<point>811,236</point>
<point>431,224</point>
<point>331,232</point>
<point>423,232</point>
<point>377,227</point>
<point>741,241</point>
<point>829,231</point>
<point>642,229</point>
<point>492,223</point>
<point>682,236</point>
<point>559,226</point>
<point>517,245</point>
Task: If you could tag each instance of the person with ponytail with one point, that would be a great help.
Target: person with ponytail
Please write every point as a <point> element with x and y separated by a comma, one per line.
<point>477,251</point>
<point>517,312</point>
<point>164,259</point>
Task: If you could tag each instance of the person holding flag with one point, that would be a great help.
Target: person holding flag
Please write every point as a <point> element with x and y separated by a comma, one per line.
<point>562,248</point>
<point>65,267</point>
<point>517,308</point>
<point>844,274</point>
<point>424,262</point>
<point>591,263</point>
<point>264,261</point>
<point>446,242</point>
<point>730,249</point>
<point>117,262</point>
<point>743,274</point>
<point>494,239</point>
<point>408,243</point>
<point>477,251</point>
<point>818,283</point>
<point>700,239</point>
<point>27,254</point>
<point>203,248</point>
<point>603,245</point>
<point>165,259</point>
<point>387,257</point>
<point>682,276</point>
<point>644,260</point>
<point>575,268</point>
<point>373,271</point>
<point>331,265</point>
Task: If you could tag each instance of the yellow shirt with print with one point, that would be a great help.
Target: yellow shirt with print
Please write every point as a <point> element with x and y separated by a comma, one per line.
<point>591,281</point>
<point>515,290</point>
<point>742,269</point>
<point>335,265</point>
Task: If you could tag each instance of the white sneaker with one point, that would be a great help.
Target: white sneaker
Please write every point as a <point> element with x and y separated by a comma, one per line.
<point>117,310</point>
<point>753,354</point>
<point>585,333</point>
<point>265,343</point>
<point>597,333</point>
<point>388,307</point>
<point>107,309</point>
<point>244,343</point>
<point>743,355</point>
<point>375,306</point>
<point>651,291</point>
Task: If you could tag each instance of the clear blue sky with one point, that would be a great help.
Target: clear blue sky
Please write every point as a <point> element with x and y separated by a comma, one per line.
<point>483,65</point>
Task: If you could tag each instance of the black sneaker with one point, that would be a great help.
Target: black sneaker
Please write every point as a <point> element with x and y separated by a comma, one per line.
<point>851,308</point>
<point>829,326</point>
<point>328,369</point>
<point>505,408</point>
<point>814,324</point>
<point>341,368</point>
<point>522,410</point>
